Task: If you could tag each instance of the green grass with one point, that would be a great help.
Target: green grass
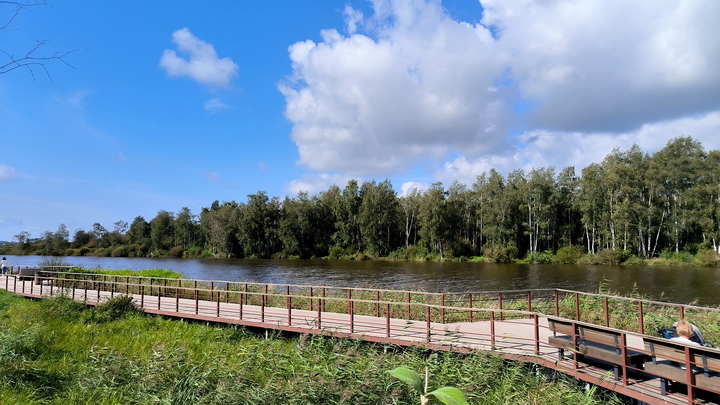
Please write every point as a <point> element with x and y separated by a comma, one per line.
<point>57,351</point>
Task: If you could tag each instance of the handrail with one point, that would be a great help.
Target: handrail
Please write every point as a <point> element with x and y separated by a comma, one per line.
<point>433,320</point>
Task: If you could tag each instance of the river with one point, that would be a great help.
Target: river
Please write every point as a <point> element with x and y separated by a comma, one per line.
<point>698,285</point>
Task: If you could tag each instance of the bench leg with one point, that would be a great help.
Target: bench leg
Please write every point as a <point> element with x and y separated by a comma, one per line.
<point>616,371</point>
<point>663,386</point>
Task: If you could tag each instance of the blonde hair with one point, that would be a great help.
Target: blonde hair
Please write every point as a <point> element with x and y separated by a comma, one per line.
<point>684,328</point>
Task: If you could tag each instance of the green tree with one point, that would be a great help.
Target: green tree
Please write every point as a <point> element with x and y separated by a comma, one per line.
<point>258,226</point>
<point>347,229</point>
<point>162,230</point>
<point>410,205</point>
<point>378,217</point>
<point>432,215</point>
<point>185,228</point>
<point>220,224</point>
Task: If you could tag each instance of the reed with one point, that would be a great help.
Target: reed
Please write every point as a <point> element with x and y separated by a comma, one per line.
<point>57,352</point>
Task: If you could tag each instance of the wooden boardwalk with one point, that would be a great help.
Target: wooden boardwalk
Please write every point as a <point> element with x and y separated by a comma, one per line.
<point>515,335</point>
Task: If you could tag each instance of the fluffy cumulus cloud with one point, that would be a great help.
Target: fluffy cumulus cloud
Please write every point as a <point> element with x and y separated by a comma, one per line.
<point>202,64</point>
<point>534,83</point>
<point>314,183</point>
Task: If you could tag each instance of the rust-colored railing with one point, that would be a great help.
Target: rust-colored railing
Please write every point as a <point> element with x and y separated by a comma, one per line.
<point>512,323</point>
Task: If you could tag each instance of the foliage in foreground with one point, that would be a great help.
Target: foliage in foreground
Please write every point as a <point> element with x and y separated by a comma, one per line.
<point>57,351</point>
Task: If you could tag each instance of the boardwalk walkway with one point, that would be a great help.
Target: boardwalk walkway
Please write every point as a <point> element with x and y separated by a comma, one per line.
<point>513,334</point>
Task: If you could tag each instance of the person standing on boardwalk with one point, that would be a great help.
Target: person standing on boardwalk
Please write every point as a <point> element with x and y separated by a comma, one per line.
<point>3,265</point>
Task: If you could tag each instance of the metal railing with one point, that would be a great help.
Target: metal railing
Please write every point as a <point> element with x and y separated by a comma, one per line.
<point>511,323</point>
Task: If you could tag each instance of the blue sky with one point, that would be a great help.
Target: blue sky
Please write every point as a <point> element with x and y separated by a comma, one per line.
<point>172,104</point>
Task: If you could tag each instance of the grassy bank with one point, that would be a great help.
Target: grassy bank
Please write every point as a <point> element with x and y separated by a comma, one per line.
<point>57,351</point>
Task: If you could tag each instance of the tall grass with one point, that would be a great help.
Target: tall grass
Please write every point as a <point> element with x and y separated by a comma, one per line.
<point>58,352</point>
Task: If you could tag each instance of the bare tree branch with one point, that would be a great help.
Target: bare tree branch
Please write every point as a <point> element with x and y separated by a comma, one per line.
<point>30,60</point>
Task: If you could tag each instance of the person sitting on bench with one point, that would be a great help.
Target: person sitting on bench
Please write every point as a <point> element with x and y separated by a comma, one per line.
<point>688,334</point>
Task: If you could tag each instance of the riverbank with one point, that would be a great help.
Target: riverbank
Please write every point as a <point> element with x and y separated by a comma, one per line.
<point>566,255</point>
<point>57,351</point>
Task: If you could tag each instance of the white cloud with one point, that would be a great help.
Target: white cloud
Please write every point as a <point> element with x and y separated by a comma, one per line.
<point>408,187</point>
<point>317,182</point>
<point>368,105</point>
<point>562,149</point>
<point>7,173</point>
<point>214,105</point>
<point>212,177</point>
<point>203,64</point>
<point>598,65</point>
<point>537,83</point>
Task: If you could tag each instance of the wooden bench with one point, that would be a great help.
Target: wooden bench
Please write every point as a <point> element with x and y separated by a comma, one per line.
<point>26,273</point>
<point>596,342</point>
<point>670,359</point>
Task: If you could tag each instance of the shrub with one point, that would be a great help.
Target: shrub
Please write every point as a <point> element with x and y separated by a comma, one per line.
<point>545,257</point>
<point>709,257</point>
<point>634,261</point>
<point>569,254</point>
<point>193,251</point>
<point>612,257</point>
<point>121,251</point>
<point>53,262</point>
<point>115,308</point>
<point>336,253</point>
<point>176,252</point>
<point>501,254</point>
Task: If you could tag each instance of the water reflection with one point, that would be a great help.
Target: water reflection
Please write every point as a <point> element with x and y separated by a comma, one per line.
<point>682,285</point>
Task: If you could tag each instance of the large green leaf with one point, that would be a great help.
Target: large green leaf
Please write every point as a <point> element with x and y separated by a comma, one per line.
<point>408,376</point>
<point>449,396</point>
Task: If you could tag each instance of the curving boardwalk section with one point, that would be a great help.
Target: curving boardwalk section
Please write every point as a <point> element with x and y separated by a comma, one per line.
<point>403,319</point>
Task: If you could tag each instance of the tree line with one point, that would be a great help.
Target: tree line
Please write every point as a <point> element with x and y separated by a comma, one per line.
<point>630,204</point>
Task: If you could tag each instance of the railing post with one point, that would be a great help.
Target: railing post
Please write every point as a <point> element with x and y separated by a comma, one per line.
<point>407,299</point>
<point>557,303</point>
<point>319,317</point>
<point>577,306</point>
<point>377,303</point>
<point>195,294</point>
<point>536,324</point>
<point>217,307</point>
<point>288,303</point>
<point>85,285</point>
<point>607,311</point>
<point>529,301</point>
<point>263,299</point>
<point>427,320</point>
<point>142,295</point>
<point>689,376</point>
<point>470,302</point>
<point>500,305</point>
<point>623,353</point>
<point>351,310</point>
<point>492,329</point>
<point>641,317</point>
<point>387,320</point>
<point>177,298</point>
<point>442,308</point>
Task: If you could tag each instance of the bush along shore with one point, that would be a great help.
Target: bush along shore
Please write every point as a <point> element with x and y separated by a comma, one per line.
<point>58,351</point>
<point>492,254</point>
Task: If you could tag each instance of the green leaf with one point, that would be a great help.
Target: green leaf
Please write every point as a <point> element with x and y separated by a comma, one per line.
<point>449,396</point>
<point>408,376</point>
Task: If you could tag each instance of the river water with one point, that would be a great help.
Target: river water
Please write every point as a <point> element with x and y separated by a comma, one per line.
<point>698,285</point>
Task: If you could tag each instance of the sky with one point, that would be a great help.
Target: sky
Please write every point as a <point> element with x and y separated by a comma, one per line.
<point>166,104</point>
